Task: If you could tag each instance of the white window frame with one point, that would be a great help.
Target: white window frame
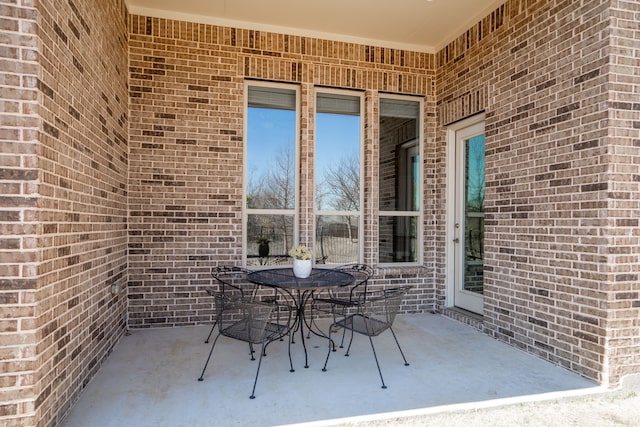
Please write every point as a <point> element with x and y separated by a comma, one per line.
<point>360,212</point>
<point>296,209</point>
<point>419,214</point>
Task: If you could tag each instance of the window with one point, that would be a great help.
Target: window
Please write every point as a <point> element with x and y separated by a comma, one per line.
<point>399,181</point>
<point>273,203</point>
<point>338,165</point>
<point>271,173</point>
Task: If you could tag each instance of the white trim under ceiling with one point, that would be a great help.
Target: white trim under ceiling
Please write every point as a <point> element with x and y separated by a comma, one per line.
<point>415,25</point>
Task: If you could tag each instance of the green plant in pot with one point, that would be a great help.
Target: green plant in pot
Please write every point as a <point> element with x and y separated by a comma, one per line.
<point>263,247</point>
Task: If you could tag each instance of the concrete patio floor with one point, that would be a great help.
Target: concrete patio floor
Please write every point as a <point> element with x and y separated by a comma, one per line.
<point>150,379</point>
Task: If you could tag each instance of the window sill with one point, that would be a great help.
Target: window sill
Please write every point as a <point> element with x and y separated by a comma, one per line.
<point>413,269</point>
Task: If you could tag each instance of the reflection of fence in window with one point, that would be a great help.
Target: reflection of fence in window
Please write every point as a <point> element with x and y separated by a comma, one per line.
<point>254,260</point>
<point>337,243</point>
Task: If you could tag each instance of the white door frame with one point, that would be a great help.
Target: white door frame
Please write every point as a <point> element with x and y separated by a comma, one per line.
<point>451,162</point>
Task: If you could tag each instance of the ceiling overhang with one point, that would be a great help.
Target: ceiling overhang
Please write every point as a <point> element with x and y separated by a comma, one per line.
<point>415,25</point>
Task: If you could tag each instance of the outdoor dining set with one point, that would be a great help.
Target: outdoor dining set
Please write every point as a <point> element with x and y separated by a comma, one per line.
<point>263,306</point>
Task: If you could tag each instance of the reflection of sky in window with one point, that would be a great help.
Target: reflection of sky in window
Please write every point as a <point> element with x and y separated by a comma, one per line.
<point>337,136</point>
<point>269,131</point>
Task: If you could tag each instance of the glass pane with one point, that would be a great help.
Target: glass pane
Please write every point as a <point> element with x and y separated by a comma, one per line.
<point>337,239</point>
<point>271,149</point>
<point>414,178</point>
<point>398,239</point>
<point>474,214</point>
<point>269,238</point>
<point>399,162</point>
<point>337,153</point>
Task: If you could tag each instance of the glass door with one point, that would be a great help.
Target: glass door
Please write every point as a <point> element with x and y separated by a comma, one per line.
<point>468,230</point>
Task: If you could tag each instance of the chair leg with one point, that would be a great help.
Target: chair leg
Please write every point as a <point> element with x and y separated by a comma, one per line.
<point>208,358</point>
<point>331,344</point>
<point>377,364</point>
<point>344,332</point>
<point>398,344</point>
<point>255,381</point>
<point>350,342</point>
<point>211,332</point>
<point>310,321</point>
<point>290,361</point>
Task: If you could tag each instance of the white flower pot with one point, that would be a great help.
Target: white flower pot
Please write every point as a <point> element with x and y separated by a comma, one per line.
<point>301,268</point>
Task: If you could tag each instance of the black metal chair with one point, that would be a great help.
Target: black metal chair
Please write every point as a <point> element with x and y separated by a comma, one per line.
<point>337,301</point>
<point>374,314</point>
<point>250,321</point>
<point>232,281</point>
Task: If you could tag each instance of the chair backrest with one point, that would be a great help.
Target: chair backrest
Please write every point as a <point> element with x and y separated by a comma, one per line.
<point>379,308</point>
<point>242,319</point>
<point>233,282</point>
<point>361,274</point>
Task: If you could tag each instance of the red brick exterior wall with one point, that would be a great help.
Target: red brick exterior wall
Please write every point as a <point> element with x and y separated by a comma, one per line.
<point>624,191</point>
<point>83,196</point>
<point>64,134</point>
<point>19,176</point>
<point>562,241</point>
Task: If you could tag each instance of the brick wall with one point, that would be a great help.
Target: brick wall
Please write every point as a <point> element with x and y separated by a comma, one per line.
<point>560,276</point>
<point>624,191</point>
<point>83,196</point>
<point>186,137</point>
<point>18,217</point>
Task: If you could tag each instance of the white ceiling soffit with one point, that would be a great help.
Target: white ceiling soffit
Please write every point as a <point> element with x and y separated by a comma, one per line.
<point>417,25</point>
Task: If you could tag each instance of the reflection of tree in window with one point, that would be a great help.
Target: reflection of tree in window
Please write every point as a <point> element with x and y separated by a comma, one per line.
<point>337,177</point>
<point>271,175</point>
<point>274,188</point>
<point>475,174</point>
<point>339,188</point>
<point>475,182</point>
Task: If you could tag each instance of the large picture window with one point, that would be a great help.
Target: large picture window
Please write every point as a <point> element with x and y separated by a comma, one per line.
<point>338,147</point>
<point>271,173</point>
<point>399,181</point>
<point>272,176</point>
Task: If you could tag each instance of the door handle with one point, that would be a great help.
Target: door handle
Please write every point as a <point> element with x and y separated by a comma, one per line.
<point>456,240</point>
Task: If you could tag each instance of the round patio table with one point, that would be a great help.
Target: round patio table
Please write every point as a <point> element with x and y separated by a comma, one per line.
<point>300,290</point>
